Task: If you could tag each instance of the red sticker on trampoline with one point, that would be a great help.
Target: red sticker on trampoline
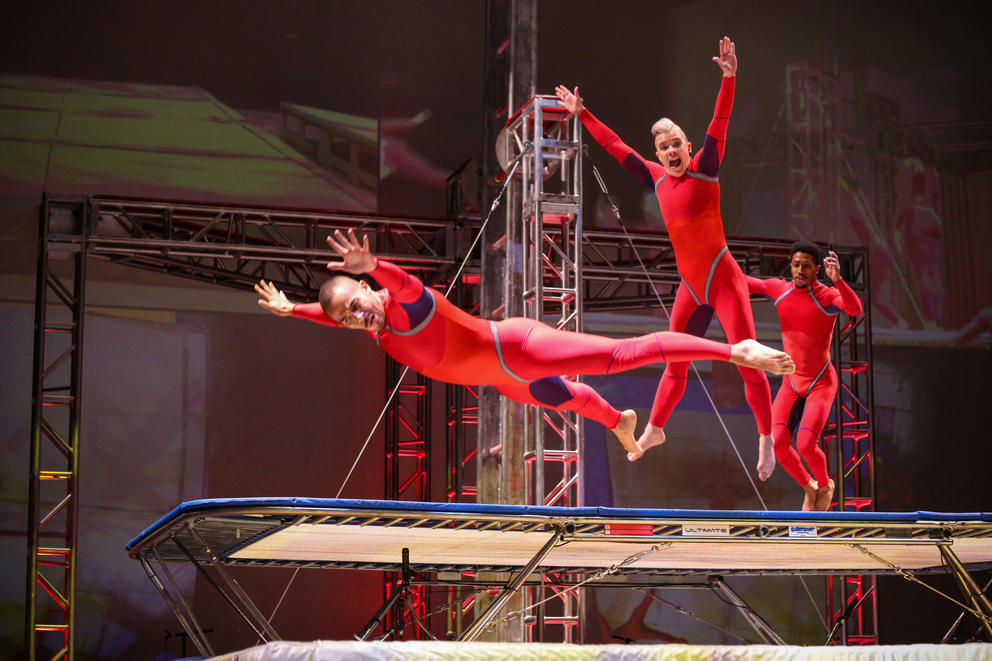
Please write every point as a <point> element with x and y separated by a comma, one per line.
<point>628,529</point>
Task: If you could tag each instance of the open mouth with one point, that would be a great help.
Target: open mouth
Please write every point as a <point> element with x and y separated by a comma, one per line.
<point>675,163</point>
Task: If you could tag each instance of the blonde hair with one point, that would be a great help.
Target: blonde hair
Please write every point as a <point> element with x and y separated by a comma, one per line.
<point>664,125</point>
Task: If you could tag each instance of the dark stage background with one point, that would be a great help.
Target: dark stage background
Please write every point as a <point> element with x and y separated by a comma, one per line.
<point>194,392</point>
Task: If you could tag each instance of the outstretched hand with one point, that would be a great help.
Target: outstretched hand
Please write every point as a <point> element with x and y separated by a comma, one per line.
<point>571,101</point>
<point>831,266</point>
<point>273,300</point>
<point>727,61</point>
<point>355,256</point>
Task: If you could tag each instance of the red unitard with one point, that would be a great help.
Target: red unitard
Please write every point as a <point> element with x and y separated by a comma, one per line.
<point>711,279</point>
<point>522,358</point>
<point>807,315</point>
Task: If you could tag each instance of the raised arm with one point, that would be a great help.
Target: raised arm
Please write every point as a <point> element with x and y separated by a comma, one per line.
<point>714,144</point>
<point>645,170</point>
<point>357,259</point>
<point>727,59</point>
<point>846,299</point>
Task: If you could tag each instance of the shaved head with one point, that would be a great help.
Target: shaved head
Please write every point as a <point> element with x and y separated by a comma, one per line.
<point>352,303</point>
<point>343,283</point>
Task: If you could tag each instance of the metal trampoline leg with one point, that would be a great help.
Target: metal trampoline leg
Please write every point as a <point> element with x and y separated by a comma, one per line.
<point>485,618</point>
<point>756,621</point>
<point>234,586</point>
<point>954,627</point>
<point>971,590</point>
<point>183,614</point>
<point>402,591</point>
<point>223,595</point>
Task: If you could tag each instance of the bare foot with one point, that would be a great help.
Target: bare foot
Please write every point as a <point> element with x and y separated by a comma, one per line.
<point>625,432</point>
<point>750,353</point>
<point>809,501</point>
<point>824,496</point>
<point>766,457</point>
<point>650,437</point>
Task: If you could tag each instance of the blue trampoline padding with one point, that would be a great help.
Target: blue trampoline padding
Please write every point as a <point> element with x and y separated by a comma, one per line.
<point>613,513</point>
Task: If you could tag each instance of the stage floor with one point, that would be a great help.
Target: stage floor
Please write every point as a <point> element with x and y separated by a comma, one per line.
<point>436,651</point>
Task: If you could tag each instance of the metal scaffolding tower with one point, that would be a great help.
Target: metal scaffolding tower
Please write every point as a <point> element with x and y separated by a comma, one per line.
<point>407,473</point>
<point>813,149</point>
<point>56,410</point>
<point>849,445</point>
<point>546,211</point>
<point>544,250</point>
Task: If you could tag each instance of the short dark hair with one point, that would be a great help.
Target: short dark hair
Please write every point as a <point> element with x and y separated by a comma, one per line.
<point>327,289</point>
<point>808,248</point>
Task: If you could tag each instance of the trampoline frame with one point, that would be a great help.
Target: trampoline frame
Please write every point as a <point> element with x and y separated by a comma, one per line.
<point>208,534</point>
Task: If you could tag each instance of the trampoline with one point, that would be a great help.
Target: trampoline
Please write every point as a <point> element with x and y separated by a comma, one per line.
<point>584,544</point>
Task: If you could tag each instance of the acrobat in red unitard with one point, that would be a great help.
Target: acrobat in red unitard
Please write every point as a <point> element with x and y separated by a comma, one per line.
<point>807,310</point>
<point>522,358</point>
<point>689,197</point>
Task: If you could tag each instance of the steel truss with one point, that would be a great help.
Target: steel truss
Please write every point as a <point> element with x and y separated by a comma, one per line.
<point>408,434</point>
<point>237,246</point>
<point>407,473</point>
<point>849,443</point>
<point>814,147</point>
<point>56,410</point>
<point>543,281</point>
<point>550,261</point>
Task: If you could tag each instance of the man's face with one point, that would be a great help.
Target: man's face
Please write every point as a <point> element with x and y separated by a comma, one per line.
<point>804,269</point>
<point>357,306</point>
<point>673,151</point>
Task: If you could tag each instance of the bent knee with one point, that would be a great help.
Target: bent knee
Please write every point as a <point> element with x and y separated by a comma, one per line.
<point>806,440</point>
<point>781,435</point>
